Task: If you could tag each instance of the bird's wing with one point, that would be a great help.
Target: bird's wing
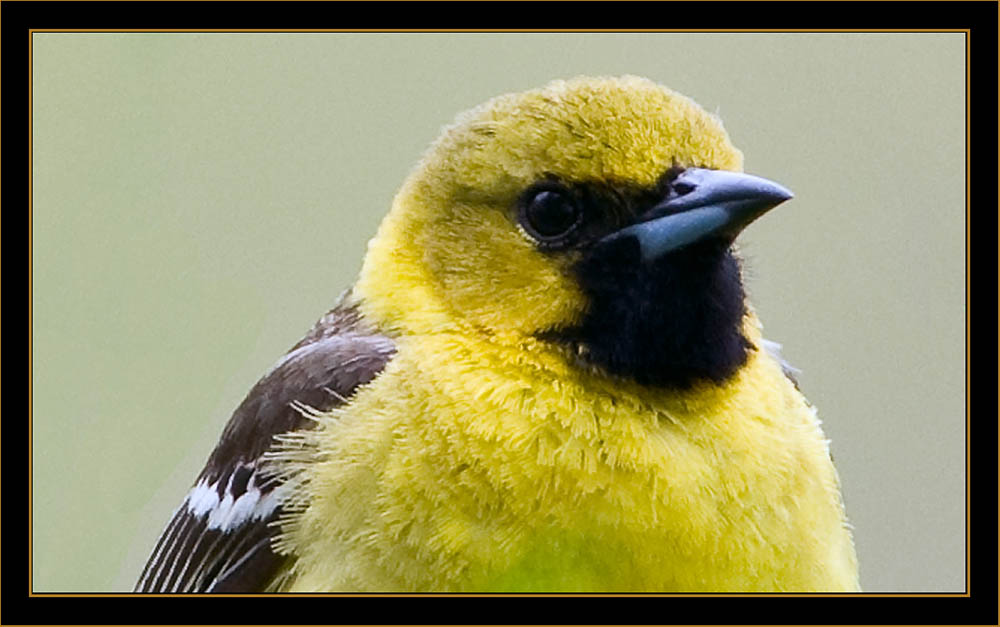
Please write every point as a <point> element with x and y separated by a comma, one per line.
<point>774,350</point>
<point>219,539</point>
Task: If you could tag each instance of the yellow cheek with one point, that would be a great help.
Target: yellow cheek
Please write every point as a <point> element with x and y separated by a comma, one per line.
<point>495,279</point>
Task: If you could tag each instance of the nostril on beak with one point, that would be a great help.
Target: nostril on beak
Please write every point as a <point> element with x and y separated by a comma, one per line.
<point>681,188</point>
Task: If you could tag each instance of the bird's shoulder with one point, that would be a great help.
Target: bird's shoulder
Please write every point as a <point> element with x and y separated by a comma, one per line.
<point>774,350</point>
<point>219,539</point>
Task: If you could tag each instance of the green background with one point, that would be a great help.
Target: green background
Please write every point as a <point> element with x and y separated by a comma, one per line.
<point>200,199</point>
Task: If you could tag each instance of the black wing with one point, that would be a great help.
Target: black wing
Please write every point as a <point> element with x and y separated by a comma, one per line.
<point>219,539</point>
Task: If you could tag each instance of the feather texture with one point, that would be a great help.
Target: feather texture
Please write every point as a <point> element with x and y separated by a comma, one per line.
<point>219,539</point>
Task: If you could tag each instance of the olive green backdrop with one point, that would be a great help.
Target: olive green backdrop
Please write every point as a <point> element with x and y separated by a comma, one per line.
<point>199,199</point>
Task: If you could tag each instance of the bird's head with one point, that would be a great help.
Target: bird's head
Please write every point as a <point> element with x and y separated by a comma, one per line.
<point>596,215</point>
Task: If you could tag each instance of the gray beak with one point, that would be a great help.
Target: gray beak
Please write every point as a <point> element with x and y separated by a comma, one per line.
<point>703,204</point>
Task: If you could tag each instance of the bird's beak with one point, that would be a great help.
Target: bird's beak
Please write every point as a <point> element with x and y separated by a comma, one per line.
<point>703,204</point>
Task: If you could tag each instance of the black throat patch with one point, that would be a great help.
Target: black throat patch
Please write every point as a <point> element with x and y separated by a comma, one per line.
<point>666,323</point>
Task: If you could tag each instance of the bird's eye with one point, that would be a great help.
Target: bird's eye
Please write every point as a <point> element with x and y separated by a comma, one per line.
<point>550,215</point>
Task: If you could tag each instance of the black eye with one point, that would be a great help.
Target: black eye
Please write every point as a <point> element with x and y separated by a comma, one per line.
<point>550,214</point>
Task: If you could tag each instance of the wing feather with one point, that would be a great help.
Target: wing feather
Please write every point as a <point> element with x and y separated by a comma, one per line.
<point>219,539</point>
<point>774,350</point>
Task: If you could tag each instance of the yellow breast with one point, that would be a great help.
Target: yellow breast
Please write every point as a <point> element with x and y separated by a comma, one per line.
<point>469,466</point>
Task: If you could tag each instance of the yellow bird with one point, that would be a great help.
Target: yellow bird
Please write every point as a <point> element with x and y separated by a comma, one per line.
<point>546,378</point>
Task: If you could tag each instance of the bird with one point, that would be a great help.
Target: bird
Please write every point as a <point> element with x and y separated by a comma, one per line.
<point>547,377</point>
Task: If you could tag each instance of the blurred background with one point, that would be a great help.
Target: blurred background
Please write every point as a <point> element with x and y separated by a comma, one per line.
<point>200,199</point>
